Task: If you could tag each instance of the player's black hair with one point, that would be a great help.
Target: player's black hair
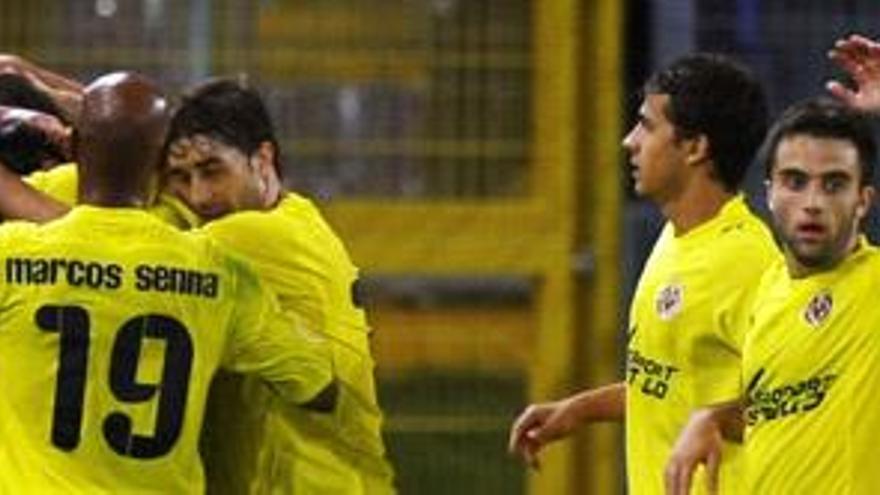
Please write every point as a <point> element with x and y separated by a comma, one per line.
<point>229,111</point>
<point>825,118</point>
<point>712,95</point>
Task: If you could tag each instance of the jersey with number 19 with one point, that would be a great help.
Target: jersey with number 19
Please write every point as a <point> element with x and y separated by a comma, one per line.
<point>686,325</point>
<point>112,324</point>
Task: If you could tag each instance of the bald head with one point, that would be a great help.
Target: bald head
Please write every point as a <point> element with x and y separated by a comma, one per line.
<point>122,98</point>
<point>118,139</point>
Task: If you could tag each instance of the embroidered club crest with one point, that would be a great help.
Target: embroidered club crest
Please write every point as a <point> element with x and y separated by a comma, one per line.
<point>819,308</point>
<point>669,301</point>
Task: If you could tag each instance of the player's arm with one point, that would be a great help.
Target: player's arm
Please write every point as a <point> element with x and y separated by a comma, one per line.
<point>20,201</point>
<point>700,442</point>
<point>544,423</point>
<point>65,92</point>
<point>859,57</point>
<point>295,361</point>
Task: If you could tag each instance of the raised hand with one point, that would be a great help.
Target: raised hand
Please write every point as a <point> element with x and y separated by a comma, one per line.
<point>860,58</point>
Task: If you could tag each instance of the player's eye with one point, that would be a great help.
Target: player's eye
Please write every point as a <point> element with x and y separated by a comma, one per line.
<point>834,184</point>
<point>177,177</point>
<point>794,181</point>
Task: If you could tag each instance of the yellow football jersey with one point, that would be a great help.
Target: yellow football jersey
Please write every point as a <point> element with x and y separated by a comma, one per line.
<point>810,380</point>
<point>112,324</point>
<point>61,183</point>
<point>686,323</point>
<point>297,254</point>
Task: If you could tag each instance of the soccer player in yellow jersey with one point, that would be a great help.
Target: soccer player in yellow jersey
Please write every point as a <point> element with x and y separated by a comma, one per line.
<point>701,120</point>
<point>809,396</point>
<point>114,324</point>
<point>223,160</point>
<point>811,391</point>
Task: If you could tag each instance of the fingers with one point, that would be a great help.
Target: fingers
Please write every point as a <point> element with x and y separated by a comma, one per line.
<point>530,452</point>
<point>517,431</point>
<point>678,476</point>
<point>523,439</point>
<point>713,463</point>
<point>527,435</point>
<point>846,57</point>
<point>841,92</point>
<point>857,55</point>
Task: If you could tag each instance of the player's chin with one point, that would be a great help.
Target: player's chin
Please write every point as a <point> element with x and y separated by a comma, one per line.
<point>813,255</point>
<point>209,215</point>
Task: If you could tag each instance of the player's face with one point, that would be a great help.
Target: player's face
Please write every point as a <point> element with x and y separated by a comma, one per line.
<point>816,199</point>
<point>657,156</point>
<point>213,178</point>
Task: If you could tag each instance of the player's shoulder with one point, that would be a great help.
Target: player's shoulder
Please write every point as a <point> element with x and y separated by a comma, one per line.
<point>63,172</point>
<point>293,215</point>
<point>744,234</point>
<point>865,260</point>
<point>60,182</point>
<point>18,229</point>
<point>205,247</point>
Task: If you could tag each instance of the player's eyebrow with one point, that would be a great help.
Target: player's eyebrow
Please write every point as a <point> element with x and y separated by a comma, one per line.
<point>206,162</point>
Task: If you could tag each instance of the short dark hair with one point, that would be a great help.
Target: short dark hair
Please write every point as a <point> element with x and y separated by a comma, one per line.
<point>229,111</point>
<point>825,118</point>
<point>17,91</point>
<point>711,94</point>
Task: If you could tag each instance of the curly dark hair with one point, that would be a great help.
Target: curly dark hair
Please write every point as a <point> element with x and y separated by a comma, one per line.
<point>712,95</point>
<point>229,111</point>
<point>825,118</point>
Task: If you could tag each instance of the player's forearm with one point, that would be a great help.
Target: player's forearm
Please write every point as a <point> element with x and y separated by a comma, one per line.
<point>20,201</point>
<point>64,91</point>
<point>601,404</point>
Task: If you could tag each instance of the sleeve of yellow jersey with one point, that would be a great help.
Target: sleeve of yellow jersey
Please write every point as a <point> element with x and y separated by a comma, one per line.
<point>59,182</point>
<point>273,345</point>
<point>717,355</point>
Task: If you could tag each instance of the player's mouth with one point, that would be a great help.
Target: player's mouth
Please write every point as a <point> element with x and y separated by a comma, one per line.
<point>208,214</point>
<point>811,232</point>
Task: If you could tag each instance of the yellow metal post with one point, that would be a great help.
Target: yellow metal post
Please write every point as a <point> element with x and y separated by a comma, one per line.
<point>599,448</point>
<point>554,156</point>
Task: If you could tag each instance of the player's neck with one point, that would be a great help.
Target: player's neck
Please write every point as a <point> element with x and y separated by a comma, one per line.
<point>110,197</point>
<point>697,204</point>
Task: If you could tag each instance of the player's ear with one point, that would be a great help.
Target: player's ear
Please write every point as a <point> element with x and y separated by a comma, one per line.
<point>768,190</point>
<point>866,199</point>
<point>263,160</point>
<point>699,150</point>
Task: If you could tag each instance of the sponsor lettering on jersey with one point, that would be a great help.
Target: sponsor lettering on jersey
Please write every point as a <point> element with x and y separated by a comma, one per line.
<point>649,376</point>
<point>771,403</point>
